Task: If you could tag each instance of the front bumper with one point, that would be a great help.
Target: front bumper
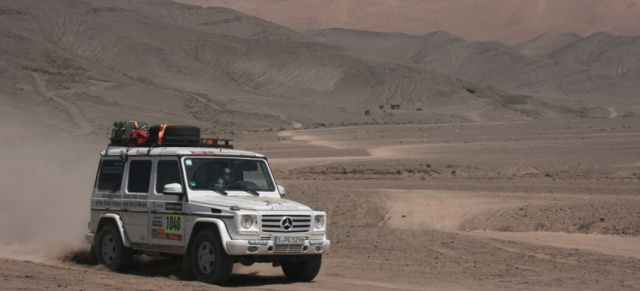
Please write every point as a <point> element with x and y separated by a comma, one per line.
<point>268,247</point>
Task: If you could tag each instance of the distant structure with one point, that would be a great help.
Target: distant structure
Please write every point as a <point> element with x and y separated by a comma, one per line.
<point>297,125</point>
<point>367,112</point>
<point>395,106</point>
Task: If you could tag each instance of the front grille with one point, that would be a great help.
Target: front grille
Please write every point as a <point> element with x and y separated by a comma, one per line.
<point>272,223</point>
<point>288,249</point>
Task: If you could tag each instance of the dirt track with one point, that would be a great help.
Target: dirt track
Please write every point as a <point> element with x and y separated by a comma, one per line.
<point>431,207</point>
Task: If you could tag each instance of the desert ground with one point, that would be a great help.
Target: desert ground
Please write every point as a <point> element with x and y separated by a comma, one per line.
<point>509,165</point>
<point>457,206</point>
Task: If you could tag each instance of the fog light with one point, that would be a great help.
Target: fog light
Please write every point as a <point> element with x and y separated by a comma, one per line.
<point>318,248</point>
<point>252,249</point>
<point>270,249</point>
<point>305,248</point>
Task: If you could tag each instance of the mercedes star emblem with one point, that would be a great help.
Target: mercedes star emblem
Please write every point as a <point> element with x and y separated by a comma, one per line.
<point>286,223</point>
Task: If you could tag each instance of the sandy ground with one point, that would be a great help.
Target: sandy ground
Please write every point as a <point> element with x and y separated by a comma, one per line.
<point>500,206</point>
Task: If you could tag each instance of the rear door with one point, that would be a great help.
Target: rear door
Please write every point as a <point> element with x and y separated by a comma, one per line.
<point>135,202</point>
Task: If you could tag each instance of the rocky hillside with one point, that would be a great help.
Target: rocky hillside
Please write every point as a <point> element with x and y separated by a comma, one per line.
<point>76,65</point>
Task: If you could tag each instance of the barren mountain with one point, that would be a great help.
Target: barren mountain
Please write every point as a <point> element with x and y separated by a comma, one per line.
<point>617,56</point>
<point>507,21</point>
<point>96,61</point>
<point>547,43</point>
<point>589,70</point>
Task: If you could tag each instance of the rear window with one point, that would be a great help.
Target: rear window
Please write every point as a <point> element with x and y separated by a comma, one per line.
<point>110,177</point>
<point>139,176</point>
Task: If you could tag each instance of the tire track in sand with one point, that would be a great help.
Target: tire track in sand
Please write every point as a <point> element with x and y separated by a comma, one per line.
<point>73,111</point>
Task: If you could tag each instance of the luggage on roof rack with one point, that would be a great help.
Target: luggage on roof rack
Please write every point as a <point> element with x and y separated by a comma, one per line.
<point>174,135</point>
<point>127,133</point>
<point>135,133</point>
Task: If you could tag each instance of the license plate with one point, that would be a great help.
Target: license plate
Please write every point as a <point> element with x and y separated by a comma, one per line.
<point>288,240</point>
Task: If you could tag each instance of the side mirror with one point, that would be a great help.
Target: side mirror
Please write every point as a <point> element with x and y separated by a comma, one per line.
<point>281,190</point>
<point>172,189</point>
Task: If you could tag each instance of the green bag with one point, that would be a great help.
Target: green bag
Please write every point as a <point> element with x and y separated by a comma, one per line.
<point>121,131</point>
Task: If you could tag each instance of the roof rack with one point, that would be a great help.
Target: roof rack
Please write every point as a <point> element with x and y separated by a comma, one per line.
<point>129,134</point>
<point>204,143</point>
<point>216,143</point>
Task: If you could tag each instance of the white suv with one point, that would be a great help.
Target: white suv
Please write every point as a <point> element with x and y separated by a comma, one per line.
<point>214,206</point>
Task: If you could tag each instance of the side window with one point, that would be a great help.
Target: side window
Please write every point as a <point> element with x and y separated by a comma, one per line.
<point>110,177</point>
<point>139,176</point>
<point>168,172</point>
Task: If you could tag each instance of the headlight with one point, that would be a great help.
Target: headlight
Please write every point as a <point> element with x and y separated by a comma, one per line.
<point>246,221</point>
<point>318,221</point>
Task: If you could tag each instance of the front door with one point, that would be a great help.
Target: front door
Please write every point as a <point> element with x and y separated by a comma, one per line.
<point>167,211</point>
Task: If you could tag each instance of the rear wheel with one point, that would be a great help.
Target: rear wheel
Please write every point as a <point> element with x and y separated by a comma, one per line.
<point>110,250</point>
<point>303,271</point>
<point>209,261</point>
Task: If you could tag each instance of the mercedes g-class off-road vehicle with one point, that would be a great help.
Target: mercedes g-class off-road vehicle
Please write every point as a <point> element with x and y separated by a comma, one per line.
<point>175,194</point>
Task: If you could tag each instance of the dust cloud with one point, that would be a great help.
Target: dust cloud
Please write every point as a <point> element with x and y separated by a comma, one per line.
<point>44,201</point>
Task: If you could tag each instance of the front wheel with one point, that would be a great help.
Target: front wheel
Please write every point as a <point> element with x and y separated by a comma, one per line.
<point>110,250</point>
<point>303,271</point>
<point>209,261</point>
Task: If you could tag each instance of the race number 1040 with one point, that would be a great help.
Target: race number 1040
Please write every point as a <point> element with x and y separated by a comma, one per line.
<point>173,224</point>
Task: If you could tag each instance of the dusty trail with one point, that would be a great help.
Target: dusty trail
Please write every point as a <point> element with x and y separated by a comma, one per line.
<point>604,244</point>
<point>73,111</point>
<point>447,210</point>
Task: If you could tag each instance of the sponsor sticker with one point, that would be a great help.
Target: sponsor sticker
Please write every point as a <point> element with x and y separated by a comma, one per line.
<point>157,233</point>
<point>173,224</point>
<point>280,206</point>
<point>173,236</point>
<point>173,206</point>
<point>173,227</point>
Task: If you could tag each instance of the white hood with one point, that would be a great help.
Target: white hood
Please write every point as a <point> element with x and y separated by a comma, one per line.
<point>257,203</point>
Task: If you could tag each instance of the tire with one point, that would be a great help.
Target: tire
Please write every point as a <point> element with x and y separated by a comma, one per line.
<point>110,250</point>
<point>303,271</point>
<point>93,255</point>
<point>175,135</point>
<point>209,261</point>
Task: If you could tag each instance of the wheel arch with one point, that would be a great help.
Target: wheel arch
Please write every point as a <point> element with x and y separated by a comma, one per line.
<point>216,226</point>
<point>116,220</point>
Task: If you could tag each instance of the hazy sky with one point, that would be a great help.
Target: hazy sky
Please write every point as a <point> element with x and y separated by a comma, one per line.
<point>509,21</point>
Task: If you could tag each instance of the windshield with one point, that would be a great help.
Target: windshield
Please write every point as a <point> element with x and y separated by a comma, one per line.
<point>228,174</point>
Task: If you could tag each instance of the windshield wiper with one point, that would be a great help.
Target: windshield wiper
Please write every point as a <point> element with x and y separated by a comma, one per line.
<point>241,188</point>
<point>253,192</point>
<point>218,190</point>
